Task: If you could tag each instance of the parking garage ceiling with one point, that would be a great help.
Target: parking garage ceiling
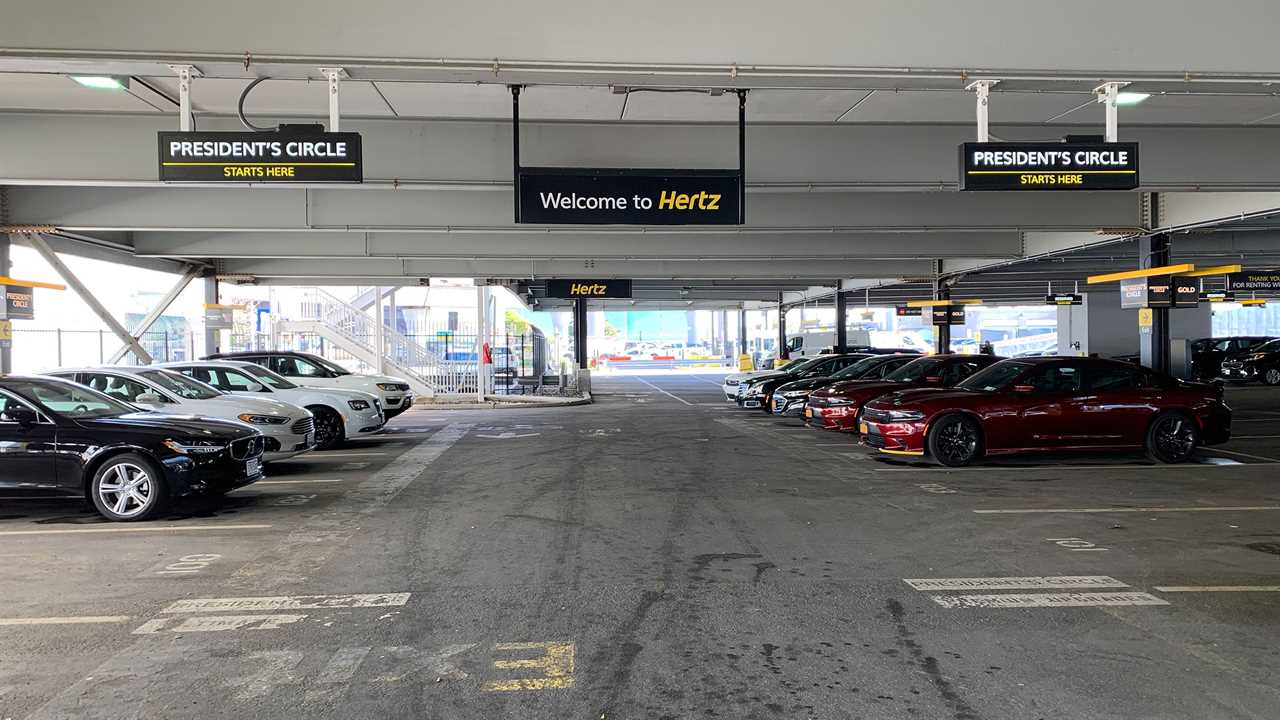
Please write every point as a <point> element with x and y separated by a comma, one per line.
<point>851,137</point>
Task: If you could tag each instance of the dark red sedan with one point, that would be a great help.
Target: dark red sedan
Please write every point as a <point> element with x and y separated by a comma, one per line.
<point>836,407</point>
<point>1050,404</point>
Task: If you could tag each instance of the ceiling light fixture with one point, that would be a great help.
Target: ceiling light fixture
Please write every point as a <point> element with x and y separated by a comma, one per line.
<point>101,82</point>
<point>1131,98</point>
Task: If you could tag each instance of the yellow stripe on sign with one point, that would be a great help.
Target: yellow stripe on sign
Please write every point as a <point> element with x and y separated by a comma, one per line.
<point>556,664</point>
<point>258,164</point>
<point>1050,172</point>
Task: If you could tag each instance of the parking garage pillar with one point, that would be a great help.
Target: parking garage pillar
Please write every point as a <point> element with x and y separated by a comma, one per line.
<point>211,334</point>
<point>942,332</point>
<point>842,330</point>
<point>580,332</point>
<point>6,346</point>
<point>783,354</point>
<point>742,331</point>
<point>1153,342</point>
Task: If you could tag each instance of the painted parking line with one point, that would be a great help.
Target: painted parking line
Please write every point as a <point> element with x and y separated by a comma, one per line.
<point>167,528</point>
<point>286,602</point>
<point>296,482</point>
<point>664,392</point>
<point>71,620</point>
<point>1049,582</point>
<point>1243,455</point>
<point>1089,468</point>
<point>329,454</point>
<point>1217,588</point>
<point>1047,600</point>
<point>1031,511</point>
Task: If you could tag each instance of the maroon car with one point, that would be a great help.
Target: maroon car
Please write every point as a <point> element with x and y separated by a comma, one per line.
<point>836,407</point>
<point>1050,404</point>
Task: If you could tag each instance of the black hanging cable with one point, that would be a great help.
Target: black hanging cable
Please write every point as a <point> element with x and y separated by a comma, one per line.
<point>240,109</point>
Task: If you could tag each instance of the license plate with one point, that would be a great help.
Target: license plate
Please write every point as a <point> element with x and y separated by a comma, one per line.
<point>252,467</point>
<point>862,428</point>
<point>808,412</point>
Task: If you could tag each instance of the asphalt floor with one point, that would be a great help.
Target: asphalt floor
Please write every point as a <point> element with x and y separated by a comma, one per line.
<point>661,554</point>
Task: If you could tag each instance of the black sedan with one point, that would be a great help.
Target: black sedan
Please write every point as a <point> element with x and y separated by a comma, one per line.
<point>757,391</point>
<point>790,398</point>
<point>1208,354</point>
<point>61,438</point>
<point>1260,363</point>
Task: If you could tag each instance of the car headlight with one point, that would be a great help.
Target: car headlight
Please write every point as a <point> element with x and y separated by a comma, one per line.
<point>358,404</point>
<point>195,447</point>
<point>795,394</point>
<point>388,386</point>
<point>905,415</point>
<point>262,419</point>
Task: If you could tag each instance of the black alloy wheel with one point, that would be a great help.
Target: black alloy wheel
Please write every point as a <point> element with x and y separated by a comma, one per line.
<point>955,441</point>
<point>329,427</point>
<point>1172,438</point>
<point>1271,376</point>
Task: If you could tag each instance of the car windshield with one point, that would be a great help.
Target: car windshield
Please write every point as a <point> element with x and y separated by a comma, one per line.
<point>266,377</point>
<point>69,399</point>
<point>180,385</point>
<point>802,365</point>
<point>993,377</point>
<point>331,367</point>
<point>859,368</point>
<point>916,370</point>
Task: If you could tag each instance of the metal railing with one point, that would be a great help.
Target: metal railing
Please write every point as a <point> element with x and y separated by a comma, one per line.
<point>35,350</point>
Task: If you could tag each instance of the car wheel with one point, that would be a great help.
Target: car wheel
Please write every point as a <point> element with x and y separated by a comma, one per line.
<point>1172,438</point>
<point>1272,376</point>
<point>955,440</point>
<point>128,488</point>
<point>329,427</point>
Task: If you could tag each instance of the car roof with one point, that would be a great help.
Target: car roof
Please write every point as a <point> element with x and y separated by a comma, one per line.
<point>213,363</point>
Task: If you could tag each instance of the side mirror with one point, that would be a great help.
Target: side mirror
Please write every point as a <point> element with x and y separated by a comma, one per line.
<point>149,398</point>
<point>24,416</point>
<point>1024,388</point>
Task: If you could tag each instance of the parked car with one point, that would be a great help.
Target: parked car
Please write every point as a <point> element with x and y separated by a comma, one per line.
<point>757,392</point>
<point>314,371</point>
<point>790,398</point>
<point>287,429</point>
<point>731,382</point>
<point>1208,354</point>
<point>340,414</point>
<point>61,438</point>
<point>1050,404</point>
<point>837,407</point>
<point>1262,362</point>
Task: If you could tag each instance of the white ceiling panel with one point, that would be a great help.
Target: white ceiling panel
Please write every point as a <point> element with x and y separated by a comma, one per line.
<point>279,97</point>
<point>552,102</point>
<point>801,105</point>
<point>448,100</point>
<point>1190,110</point>
<point>32,91</point>
<point>651,106</point>
<point>926,106</point>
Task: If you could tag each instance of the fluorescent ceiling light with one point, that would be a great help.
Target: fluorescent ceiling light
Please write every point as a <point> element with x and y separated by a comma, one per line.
<point>1131,98</point>
<point>100,82</point>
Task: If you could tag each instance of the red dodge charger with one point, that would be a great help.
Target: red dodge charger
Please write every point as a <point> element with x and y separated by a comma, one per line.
<point>836,407</point>
<point>1050,404</point>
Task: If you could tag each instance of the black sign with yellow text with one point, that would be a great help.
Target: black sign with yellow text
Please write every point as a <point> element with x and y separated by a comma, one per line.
<point>1063,299</point>
<point>948,314</point>
<point>1256,280</point>
<point>1049,166</point>
<point>268,158</point>
<point>601,196</point>
<point>574,289</point>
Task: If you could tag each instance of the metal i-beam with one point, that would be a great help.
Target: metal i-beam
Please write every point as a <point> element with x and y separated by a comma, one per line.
<point>37,241</point>
<point>141,329</point>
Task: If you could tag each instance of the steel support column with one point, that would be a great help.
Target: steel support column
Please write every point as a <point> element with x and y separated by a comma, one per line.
<point>37,241</point>
<point>580,332</point>
<point>842,313</point>
<point>1153,251</point>
<point>742,332</point>
<point>783,353</point>
<point>212,336</point>
<point>942,333</point>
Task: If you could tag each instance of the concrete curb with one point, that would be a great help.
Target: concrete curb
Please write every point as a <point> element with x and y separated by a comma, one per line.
<point>493,402</point>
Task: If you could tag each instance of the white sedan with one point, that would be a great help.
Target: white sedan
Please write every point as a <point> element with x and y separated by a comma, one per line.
<point>287,428</point>
<point>340,414</point>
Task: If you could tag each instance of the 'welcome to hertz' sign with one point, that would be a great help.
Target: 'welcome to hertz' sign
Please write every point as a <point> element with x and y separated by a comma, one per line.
<point>573,196</point>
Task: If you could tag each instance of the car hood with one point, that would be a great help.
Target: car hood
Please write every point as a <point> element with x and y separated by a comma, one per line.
<point>163,423</point>
<point>921,394</point>
<point>361,382</point>
<point>808,384</point>
<point>764,376</point>
<point>855,389</point>
<point>231,406</point>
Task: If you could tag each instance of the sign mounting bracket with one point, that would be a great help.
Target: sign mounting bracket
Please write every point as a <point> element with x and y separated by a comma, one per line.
<point>982,89</point>
<point>334,75</point>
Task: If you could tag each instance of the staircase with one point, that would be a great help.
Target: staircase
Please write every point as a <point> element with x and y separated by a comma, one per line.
<point>354,331</point>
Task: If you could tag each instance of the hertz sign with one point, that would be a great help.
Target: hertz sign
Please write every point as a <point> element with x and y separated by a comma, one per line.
<point>599,196</point>
<point>574,289</point>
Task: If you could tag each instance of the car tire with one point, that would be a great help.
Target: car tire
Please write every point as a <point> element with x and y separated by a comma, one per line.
<point>1271,376</point>
<point>955,440</point>
<point>330,429</point>
<point>1172,438</point>
<point>129,488</point>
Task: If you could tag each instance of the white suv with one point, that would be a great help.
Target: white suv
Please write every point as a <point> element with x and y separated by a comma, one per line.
<point>314,371</point>
<point>340,414</point>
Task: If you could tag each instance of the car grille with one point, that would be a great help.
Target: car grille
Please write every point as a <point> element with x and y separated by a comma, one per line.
<point>303,426</point>
<point>874,440</point>
<point>875,416</point>
<point>245,448</point>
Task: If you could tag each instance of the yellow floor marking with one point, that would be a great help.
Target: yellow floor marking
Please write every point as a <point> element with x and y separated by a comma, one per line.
<point>556,664</point>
